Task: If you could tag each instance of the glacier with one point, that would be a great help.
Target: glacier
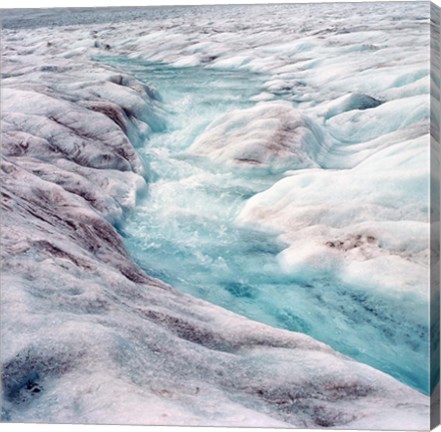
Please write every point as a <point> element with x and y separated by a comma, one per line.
<point>211,222</point>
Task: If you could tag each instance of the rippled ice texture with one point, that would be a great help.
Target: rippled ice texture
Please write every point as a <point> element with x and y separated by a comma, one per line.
<point>277,168</point>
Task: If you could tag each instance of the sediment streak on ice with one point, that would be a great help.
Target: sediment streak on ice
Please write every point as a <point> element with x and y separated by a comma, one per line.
<point>86,335</point>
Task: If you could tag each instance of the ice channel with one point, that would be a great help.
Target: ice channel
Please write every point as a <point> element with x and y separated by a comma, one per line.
<point>185,231</point>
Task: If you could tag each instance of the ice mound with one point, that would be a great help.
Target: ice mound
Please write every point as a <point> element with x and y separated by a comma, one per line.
<point>350,232</point>
<point>364,125</point>
<point>78,133</point>
<point>271,134</point>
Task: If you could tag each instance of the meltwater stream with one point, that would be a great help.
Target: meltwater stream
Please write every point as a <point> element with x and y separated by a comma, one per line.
<point>184,232</point>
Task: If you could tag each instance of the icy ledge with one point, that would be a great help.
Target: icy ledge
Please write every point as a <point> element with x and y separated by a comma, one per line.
<point>87,336</point>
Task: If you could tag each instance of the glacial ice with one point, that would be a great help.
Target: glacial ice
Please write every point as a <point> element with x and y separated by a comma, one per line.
<point>88,336</point>
<point>365,125</point>
<point>273,135</point>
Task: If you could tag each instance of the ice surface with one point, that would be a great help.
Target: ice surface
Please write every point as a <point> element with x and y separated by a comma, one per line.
<point>272,135</point>
<point>249,137</point>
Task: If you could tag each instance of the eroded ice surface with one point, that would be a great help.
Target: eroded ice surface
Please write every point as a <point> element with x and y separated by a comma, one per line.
<point>286,163</point>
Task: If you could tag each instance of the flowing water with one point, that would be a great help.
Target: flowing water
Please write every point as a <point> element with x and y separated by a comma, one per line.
<point>183,231</point>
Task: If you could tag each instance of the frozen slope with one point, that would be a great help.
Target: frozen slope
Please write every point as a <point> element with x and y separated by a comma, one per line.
<point>87,336</point>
